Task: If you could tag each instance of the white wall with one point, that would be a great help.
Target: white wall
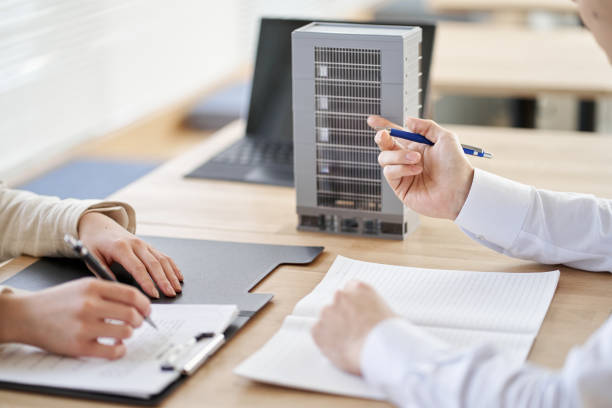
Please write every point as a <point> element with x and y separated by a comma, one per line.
<point>73,69</point>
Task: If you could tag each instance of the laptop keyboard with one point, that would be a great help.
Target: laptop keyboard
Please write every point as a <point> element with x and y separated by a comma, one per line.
<point>250,152</point>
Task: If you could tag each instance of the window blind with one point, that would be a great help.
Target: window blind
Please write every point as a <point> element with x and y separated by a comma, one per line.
<point>71,69</point>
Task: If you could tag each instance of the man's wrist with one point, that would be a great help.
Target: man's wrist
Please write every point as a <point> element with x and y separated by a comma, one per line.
<point>489,196</point>
<point>394,346</point>
<point>463,193</point>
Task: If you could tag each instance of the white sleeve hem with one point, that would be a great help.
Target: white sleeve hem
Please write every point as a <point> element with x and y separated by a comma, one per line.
<point>495,209</point>
<point>394,346</point>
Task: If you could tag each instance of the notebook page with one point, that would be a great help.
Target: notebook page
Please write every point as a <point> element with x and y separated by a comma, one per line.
<point>514,346</point>
<point>291,359</point>
<point>137,374</point>
<point>508,310</point>
<point>486,301</point>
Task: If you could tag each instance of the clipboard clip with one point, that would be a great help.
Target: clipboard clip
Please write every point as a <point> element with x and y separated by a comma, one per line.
<point>187,357</point>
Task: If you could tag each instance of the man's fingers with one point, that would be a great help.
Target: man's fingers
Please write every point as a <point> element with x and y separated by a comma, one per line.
<point>378,122</point>
<point>355,285</point>
<point>397,171</point>
<point>384,141</point>
<point>390,157</point>
<point>382,138</point>
<point>155,270</point>
<point>168,269</point>
<point>428,128</point>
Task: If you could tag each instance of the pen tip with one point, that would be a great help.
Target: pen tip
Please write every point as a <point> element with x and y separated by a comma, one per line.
<point>148,319</point>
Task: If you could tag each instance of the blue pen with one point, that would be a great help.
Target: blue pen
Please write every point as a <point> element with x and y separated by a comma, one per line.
<point>415,137</point>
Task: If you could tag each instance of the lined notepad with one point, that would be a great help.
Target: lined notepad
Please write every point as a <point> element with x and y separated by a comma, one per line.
<point>460,307</point>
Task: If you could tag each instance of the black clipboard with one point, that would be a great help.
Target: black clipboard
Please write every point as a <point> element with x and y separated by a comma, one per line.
<point>216,272</point>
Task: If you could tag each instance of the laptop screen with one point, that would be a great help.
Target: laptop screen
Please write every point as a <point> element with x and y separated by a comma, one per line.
<point>270,115</point>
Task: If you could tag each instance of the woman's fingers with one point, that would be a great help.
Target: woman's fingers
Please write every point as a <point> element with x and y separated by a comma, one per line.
<point>169,269</point>
<point>115,331</point>
<point>127,258</point>
<point>155,269</point>
<point>176,269</point>
<point>109,352</point>
<point>122,295</point>
<point>121,312</point>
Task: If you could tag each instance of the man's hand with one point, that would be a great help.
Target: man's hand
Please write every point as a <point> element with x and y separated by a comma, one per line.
<point>344,325</point>
<point>69,318</point>
<point>109,242</point>
<point>431,180</point>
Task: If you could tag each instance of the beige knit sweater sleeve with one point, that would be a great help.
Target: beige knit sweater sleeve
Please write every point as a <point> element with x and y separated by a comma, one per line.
<point>35,225</point>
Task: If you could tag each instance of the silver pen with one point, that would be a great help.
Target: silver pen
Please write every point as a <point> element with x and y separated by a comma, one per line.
<point>99,270</point>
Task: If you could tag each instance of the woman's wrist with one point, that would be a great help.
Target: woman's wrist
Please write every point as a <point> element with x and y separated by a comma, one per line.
<point>87,223</point>
<point>14,323</point>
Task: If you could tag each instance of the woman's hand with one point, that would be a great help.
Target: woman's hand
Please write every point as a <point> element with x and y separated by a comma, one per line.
<point>431,180</point>
<point>109,242</point>
<point>344,325</point>
<point>69,318</point>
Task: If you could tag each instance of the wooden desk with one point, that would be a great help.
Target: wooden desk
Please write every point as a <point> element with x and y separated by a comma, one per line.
<point>169,205</point>
<point>509,61</point>
<point>464,6</point>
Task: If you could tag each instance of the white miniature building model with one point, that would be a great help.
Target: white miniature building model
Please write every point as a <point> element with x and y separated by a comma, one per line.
<point>342,73</point>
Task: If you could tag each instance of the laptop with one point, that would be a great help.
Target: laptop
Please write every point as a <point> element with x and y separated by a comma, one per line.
<point>265,154</point>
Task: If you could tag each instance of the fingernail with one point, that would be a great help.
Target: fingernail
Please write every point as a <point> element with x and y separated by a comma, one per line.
<point>412,156</point>
<point>169,289</point>
<point>176,286</point>
<point>155,293</point>
<point>377,137</point>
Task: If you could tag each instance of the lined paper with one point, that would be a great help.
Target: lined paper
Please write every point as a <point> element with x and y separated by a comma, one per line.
<point>462,308</point>
<point>137,374</point>
<point>514,302</point>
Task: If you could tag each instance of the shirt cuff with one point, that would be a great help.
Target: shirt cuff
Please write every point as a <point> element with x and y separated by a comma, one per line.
<point>495,208</point>
<point>122,213</point>
<point>395,346</point>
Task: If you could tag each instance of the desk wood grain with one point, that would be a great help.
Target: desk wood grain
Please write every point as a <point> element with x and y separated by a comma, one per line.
<point>463,6</point>
<point>170,205</point>
<point>511,61</point>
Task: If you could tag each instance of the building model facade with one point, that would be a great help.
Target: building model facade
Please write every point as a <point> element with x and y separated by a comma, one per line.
<point>342,73</point>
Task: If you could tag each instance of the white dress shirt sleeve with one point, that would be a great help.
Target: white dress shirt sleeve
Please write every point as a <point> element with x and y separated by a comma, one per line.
<point>540,225</point>
<point>415,369</point>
